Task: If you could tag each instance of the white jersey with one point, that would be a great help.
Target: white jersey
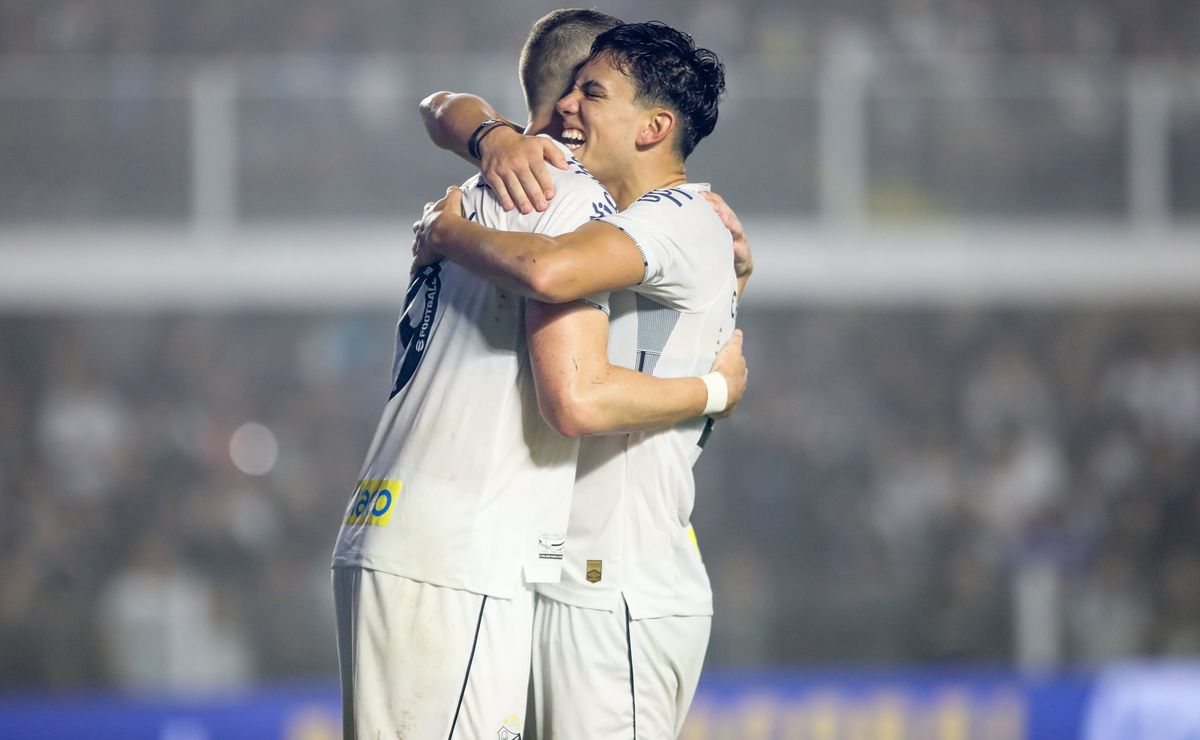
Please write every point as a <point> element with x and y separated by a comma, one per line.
<point>629,529</point>
<point>464,484</point>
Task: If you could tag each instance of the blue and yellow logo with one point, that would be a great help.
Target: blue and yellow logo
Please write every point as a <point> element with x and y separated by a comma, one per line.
<point>373,502</point>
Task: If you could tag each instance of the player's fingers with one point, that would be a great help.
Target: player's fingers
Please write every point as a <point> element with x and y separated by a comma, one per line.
<point>496,183</point>
<point>517,191</point>
<point>717,202</point>
<point>532,186</point>
<point>554,155</point>
<point>545,183</point>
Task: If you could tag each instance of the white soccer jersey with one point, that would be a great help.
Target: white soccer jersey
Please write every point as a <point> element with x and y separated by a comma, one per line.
<point>464,484</point>
<point>629,529</point>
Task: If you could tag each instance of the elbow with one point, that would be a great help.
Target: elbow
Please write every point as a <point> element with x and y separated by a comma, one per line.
<point>568,427</point>
<point>432,104</point>
<point>569,423</point>
<point>569,418</point>
<point>546,281</point>
<point>431,109</point>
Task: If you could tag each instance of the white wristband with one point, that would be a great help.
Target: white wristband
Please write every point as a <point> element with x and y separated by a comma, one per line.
<point>718,393</point>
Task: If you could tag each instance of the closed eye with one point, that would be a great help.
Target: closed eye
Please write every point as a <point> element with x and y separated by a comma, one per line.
<point>592,89</point>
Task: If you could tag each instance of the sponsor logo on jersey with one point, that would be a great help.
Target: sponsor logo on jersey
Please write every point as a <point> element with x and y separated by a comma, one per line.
<point>411,339</point>
<point>595,570</point>
<point>372,504</point>
<point>551,546</point>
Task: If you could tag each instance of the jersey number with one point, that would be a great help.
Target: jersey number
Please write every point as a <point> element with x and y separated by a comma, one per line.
<point>412,339</point>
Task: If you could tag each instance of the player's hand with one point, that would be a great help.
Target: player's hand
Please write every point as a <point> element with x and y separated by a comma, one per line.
<point>433,218</point>
<point>743,261</point>
<point>732,365</point>
<point>514,166</point>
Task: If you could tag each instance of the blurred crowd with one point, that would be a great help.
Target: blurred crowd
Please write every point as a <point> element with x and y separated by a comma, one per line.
<point>1016,486</point>
<point>135,550</point>
<point>899,486</point>
<point>767,27</point>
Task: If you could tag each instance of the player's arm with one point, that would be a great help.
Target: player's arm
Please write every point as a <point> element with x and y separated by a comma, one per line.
<point>512,164</point>
<point>743,260</point>
<point>579,392</point>
<point>594,258</point>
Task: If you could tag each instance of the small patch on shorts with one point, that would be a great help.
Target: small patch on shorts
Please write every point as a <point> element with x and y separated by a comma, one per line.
<point>595,570</point>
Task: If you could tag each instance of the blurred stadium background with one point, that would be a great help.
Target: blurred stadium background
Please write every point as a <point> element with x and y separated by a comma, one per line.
<point>961,499</point>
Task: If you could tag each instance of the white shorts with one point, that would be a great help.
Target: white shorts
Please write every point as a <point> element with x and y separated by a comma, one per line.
<point>599,675</point>
<point>423,662</point>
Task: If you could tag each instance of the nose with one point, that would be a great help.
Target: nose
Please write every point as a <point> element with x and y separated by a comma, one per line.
<point>568,103</point>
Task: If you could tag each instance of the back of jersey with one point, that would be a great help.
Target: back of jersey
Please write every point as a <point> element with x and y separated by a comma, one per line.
<point>464,484</point>
<point>630,530</point>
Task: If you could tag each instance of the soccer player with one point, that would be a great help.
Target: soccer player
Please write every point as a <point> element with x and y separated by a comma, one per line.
<point>620,640</point>
<point>464,493</point>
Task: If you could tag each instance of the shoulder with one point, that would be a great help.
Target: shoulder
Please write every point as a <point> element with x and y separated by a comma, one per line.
<point>478,197</point>
<point>576,190</point>
<point>683,202</point>
<point>575,178</point>
<point>680,212</point>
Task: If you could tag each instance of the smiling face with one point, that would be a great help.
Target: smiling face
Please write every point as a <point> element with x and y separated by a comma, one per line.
<point>601,120</point>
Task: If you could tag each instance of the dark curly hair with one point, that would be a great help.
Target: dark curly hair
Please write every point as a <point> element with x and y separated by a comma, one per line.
<point>668,69</point>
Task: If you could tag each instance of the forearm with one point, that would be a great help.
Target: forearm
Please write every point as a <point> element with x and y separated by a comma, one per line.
<point>619,400</point>
<point>451,118</point>
<point>517,261</point>
<point>594,258</point>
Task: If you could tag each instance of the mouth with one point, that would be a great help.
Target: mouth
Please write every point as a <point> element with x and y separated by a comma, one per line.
<point>573,139</point>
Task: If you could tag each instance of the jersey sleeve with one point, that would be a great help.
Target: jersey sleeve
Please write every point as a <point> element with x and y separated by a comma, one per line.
<point>678,236</point>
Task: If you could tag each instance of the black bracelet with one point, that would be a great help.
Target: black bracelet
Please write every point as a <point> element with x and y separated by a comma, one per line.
<point>482,131</point>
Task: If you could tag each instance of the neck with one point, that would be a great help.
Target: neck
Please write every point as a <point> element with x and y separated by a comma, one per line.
<point>538,122</point>
<point>635,181</point>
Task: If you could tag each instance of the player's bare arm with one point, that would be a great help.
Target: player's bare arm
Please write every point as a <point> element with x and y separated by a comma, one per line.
<point>594,258</point>
<point>512,164</point>
<point>580,392</point>
<point>743,261</point>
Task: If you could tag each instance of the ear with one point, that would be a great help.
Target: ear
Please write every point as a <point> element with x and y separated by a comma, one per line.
<point>659,126</point>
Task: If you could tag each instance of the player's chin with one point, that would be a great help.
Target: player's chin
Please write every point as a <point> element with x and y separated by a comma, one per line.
<point>581,153</point>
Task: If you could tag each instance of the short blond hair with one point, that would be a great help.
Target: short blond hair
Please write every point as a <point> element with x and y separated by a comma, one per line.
<point>558,43</point>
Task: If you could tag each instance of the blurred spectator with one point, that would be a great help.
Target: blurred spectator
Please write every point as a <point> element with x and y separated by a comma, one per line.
<point>82,429</point>
<point>161,627</point>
